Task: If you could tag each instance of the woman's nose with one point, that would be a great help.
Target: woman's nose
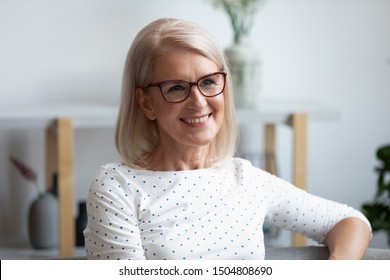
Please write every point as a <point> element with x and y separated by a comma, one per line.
<point>196,97</point>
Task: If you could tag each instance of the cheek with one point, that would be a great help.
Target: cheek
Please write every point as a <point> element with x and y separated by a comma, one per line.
<point>166,116</point>
<point>218,104</point>
<point>220,100</point>
<point>161,109</point>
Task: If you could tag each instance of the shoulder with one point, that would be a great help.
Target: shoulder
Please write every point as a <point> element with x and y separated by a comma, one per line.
<point>241,165</point>
<point>235,163</point>
<point>113,167</point>
<point>112,177</point>
<point>118,170</point>
<point>240,162</point>
<point>246,173</point>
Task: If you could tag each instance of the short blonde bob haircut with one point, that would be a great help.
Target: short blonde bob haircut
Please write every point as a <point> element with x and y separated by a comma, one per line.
<point>136,136</point>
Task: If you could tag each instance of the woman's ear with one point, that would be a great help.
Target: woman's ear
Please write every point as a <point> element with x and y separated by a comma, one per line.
<point>145,103</point>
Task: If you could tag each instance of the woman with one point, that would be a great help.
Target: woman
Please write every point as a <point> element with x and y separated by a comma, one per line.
<point>179,192</point>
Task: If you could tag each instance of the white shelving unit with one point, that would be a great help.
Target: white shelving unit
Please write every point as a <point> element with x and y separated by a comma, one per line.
<point>10,250</point>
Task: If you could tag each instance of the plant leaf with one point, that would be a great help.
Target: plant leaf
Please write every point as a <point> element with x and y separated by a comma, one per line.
<point>26,171</point>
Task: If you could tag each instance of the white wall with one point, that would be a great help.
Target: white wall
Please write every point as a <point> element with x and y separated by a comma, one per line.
<point>337,52</point>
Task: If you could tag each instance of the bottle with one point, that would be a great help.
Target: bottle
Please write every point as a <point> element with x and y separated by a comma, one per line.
<point>81,224</point>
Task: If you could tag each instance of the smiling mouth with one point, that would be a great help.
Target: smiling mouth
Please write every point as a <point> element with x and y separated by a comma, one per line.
<point>196,120</point>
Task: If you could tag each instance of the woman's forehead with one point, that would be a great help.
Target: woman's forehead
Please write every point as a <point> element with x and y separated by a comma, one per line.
<point>181,64</point>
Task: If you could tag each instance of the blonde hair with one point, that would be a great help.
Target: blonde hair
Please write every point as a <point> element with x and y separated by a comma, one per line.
<point>136,135</point>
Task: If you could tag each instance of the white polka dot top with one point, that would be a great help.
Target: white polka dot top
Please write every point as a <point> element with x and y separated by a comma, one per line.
<point>214,213</point>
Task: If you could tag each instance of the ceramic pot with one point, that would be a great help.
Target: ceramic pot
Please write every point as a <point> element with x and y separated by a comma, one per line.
<point>43,222</point>
<point>245,66</point>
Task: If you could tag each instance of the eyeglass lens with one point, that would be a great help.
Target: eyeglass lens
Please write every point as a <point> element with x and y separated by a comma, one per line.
<point>176,91</point>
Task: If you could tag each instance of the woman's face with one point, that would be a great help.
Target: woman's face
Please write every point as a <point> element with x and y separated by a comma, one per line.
<point>194,122</point>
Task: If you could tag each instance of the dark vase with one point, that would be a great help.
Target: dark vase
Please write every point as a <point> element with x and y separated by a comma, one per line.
<point>54,189</point>
<point>43,222</point>
<point>81,224</point>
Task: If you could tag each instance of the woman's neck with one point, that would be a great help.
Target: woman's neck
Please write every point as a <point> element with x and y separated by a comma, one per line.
<point>177,159</point>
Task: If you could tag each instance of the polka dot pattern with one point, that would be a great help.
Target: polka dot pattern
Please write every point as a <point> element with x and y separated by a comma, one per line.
<point>215,213</point>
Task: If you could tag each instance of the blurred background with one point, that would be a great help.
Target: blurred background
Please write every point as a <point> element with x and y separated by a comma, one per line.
<point>336,52</point>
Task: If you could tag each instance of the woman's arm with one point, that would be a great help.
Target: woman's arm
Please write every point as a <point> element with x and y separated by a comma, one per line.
<point>112,231</point>
<point>348,239</point>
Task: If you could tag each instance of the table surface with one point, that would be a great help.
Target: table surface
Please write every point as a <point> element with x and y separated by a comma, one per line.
<point>97,115</point>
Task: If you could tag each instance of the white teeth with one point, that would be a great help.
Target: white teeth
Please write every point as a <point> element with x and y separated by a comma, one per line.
<point>197,120</point>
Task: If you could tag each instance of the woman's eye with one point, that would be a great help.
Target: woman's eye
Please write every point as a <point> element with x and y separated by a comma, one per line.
<point>176,88</point>
<point>207,82</point>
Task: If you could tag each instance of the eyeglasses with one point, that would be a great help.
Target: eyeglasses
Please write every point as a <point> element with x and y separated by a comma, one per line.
<point>175,91</point>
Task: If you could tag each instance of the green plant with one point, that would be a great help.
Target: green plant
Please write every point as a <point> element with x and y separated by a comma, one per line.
<point>378,211</point>
<point>241,14</point>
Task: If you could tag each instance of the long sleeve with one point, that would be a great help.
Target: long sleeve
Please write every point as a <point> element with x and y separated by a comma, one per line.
<point>112,231</point>
<point>296,210</point>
